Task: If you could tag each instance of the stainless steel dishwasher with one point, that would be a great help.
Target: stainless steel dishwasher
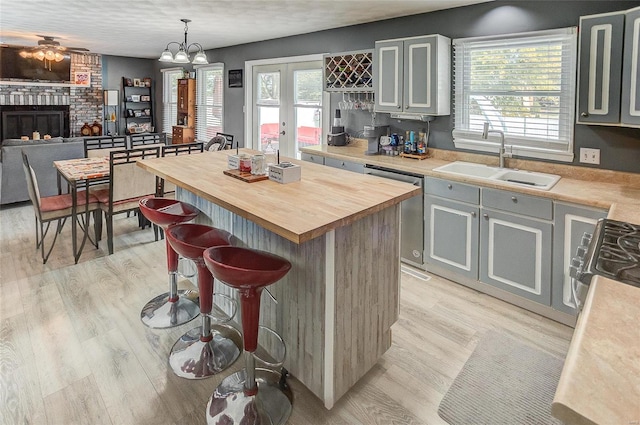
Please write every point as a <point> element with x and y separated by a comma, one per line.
<point>411,215</point>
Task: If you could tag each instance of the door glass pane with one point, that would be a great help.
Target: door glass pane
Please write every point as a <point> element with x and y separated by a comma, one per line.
<point>307,104</point>
<point>268,108</point>
<point>268,127</point>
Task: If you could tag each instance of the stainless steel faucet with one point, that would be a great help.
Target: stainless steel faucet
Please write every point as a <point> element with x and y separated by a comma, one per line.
<point>502,153</point>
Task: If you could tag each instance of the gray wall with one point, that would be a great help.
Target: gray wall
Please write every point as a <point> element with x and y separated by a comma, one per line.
<point>116,67</point>
<point>620,148</point>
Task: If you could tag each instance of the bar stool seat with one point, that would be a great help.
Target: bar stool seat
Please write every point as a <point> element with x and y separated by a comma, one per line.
<point>208,349</point>
<point>175,307</point>
<point>251,395</point>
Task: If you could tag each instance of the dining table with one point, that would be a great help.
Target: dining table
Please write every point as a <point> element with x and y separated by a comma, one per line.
<point>81,173</point>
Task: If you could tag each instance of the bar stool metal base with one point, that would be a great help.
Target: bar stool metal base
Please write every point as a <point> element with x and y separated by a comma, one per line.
<point>160,313</point>
<point>192,358</point>
<point>272,403</point>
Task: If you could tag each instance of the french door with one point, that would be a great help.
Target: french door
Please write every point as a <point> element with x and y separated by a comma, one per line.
<point>287,106</point>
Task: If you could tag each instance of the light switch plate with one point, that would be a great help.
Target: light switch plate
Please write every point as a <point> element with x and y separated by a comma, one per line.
<point>590,156</point>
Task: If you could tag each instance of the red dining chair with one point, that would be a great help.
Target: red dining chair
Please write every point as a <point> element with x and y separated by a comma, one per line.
<point>55,208</point>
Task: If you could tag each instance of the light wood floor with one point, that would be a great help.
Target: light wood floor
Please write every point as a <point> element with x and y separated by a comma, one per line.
<point>73,349</point>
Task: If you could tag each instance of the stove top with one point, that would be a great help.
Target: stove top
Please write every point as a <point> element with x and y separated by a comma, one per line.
<point>616,254</point>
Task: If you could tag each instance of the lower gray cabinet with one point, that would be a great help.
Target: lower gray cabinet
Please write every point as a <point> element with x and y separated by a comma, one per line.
<point>515,249</point>
<point>345,165</point>
<point>316,159</point>
<point>571,222</point>
<point>452,235</point>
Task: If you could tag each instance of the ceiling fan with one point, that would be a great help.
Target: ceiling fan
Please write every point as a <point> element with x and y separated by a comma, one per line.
<point>49,50</point>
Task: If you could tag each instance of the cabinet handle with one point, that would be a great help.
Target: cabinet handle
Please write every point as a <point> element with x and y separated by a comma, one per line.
<point>486,216</point>
<point>584,114</point>
<point>399,106</point>
<point>449,187</point>
<point>473,214</point>
<point>406,107</point>
<point>514,199</point>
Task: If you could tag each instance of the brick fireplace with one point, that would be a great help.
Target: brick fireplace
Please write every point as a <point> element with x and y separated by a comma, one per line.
<point>77,104</point>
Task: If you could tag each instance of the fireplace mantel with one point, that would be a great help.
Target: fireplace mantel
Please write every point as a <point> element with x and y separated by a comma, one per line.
<point>39,84</point>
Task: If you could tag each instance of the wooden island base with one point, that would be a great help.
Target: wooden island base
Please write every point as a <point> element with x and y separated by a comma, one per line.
<point>337,304</point>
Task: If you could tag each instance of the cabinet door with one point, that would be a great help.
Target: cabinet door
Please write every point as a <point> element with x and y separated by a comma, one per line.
<point>344,165</point>
<point>420,79</point>
<point>571,222</point>
<point>515,255</point>
<point>387,75</point>
<point>599,85</point>
<point>631,93</point>
<point>452,235</point>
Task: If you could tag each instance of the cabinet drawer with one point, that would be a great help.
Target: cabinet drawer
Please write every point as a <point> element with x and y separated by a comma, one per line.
<point>316,159</point>
<point>452,190</point>
<point>345,165</point>
<point>518,203</point>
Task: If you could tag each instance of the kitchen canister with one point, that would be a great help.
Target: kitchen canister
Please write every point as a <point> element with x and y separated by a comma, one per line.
<point>258,165</point>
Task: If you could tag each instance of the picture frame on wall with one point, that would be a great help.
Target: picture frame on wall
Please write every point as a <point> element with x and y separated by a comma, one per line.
<point>81,78</point>
<point>235,78</point>
<point>129,82</point>
<point>136,82</point>
<point>147,82</point>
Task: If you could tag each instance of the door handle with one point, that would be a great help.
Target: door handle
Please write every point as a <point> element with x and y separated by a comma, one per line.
<point>283,132</point>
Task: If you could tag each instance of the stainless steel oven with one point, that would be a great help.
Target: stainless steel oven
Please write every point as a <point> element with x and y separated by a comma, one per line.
<point>612,251</point>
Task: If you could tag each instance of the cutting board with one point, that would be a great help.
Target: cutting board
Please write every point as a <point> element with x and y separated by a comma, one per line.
<point>244,176</point>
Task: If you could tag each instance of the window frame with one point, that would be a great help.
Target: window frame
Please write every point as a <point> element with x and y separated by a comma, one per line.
<point>169,98</point>
<point>522,146</point>
<point>201,106</point>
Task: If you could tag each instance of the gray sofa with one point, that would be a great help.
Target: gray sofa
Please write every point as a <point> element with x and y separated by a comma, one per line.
<point>41,153</point>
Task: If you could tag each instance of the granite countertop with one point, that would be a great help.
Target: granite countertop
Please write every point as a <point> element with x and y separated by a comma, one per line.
<point>600,382</point>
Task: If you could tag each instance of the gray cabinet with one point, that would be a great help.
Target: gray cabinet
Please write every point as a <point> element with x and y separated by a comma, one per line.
<point>608,89</point>
<point>570,223</point>
<point>452,226</point>
<point>515,244</point>
<point>345,165</point>
<point>316,159</point>
<point>412,75</point>
<point>630,108</point>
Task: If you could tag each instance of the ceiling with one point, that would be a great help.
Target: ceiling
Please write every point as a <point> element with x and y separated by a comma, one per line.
<point>142,28</point>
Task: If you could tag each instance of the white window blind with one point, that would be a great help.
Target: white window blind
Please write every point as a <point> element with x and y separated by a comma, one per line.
<point>209,101</point>
<point>522,84</point>
<point>170,77</point>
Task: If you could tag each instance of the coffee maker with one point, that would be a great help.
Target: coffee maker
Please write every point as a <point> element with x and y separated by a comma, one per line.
<point>372,133</point>
<point>337,137</point>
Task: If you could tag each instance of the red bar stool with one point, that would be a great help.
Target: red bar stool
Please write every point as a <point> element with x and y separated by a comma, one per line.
<point>250,395</point>
<point>208,349</point>
<point>172,308</point>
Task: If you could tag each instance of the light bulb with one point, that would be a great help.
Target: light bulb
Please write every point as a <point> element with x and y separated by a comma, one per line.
<point>49,55</point>
<point>166,56</point>
<point>59,57</point>
<point>200,59</point>
<point>181,57</point>
<point>39,55</point>
<point>25,54</point>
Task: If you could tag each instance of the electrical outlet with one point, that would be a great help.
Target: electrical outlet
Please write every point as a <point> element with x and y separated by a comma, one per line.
<point>590,156</point>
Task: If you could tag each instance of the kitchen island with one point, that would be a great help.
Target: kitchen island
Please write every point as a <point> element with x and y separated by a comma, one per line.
<point>341,232</point>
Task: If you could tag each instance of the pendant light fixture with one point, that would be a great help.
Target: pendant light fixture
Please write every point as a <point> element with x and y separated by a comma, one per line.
<point>182,56</point>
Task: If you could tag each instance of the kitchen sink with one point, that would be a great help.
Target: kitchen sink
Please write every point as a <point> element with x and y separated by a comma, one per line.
<point>534,180</point>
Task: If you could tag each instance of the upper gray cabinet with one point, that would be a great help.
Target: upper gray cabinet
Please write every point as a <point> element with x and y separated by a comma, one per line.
<point>412,75</point>
<point>630,67</point>
<point>608,92</point>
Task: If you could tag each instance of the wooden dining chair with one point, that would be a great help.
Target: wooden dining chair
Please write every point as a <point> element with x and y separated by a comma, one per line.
<point>56,208</point>
<point>128,183</point>
<point>102,145</point>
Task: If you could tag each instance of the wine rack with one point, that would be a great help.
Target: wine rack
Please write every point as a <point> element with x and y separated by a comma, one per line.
<point>348,71</point>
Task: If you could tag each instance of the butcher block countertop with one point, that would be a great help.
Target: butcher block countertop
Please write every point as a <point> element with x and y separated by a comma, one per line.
<point>298,211</point>
<point>600,381</point>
